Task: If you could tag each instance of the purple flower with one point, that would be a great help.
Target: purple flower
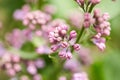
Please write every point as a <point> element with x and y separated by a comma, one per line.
<point>62,78</point>
<point>34,18</point>
<point>88,20</point>
<point>72,64</point>
<point>80,76</point>
<point>95,1</point>
<point>76,47</point>
<point>50,9</point>
<point>20,13</point>
<point>102,27</point>
<point>65,54</point>
<point>100,43</point>
<point>37,77</point>
<point>31,69</point>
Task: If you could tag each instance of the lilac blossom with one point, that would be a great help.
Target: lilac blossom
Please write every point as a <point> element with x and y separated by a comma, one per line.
<point>43,50</point>
<point>102,27</point>
<point>36,18</point>
<point>62,78</point>
<point>37,77</point>
<point>50,9</point>
<point>19,14</point>
<point>80,76</point>
<point>60,40</point>
<point>76,19</point>
<point>84,56</point>
<point>88,20</point>
<point>72,65</point>
<point>18,37</point>
<point>11,64</point>
<point>95,1</point>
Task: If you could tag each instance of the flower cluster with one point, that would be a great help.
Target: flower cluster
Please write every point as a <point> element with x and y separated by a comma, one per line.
<point>43,31</point>
<point>32,66</point>
<point>36,18</point>
<point>11,64</point>
<point>60,40</point>
<point>18,37</point>
<point>98,21</point>
<point>102,27</point>
<point>19,14</point>
<point>32,69</point>
<point>88,20</point>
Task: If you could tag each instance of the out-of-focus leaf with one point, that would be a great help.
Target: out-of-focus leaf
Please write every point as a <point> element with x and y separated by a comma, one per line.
<point>107,69</point>
<point>24,55</point>
<point>112,7</point>
<point>37,41</point>
<point>28,46</point>
<point>63,6</point>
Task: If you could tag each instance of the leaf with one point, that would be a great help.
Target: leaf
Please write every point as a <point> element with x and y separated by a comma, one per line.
<point>112,7</point>
<point>63,7</point>
<point>107,68</point>
<point>24,55</point>
<point>37,41</point>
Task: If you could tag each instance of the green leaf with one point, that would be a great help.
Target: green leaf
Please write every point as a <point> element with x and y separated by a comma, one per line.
<point>107,68</point>
<point>37,41</point>
<point>63,7</point>
<point>112,7</point>
<point>24,55</point>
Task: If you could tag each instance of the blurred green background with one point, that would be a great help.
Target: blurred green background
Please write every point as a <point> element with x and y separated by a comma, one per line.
<point>106,64</point>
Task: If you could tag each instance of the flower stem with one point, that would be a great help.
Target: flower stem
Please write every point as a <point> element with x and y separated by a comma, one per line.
<point>79,37</point>
<point>80,34</point>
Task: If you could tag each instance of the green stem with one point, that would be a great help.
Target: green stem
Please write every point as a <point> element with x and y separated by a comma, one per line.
<point>79,36</point>
<point>54,75</point>
<point>91,8</point>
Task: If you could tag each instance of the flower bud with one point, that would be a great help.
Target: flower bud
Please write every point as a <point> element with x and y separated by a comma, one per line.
<point>73,34</point>
<point>76,47</point>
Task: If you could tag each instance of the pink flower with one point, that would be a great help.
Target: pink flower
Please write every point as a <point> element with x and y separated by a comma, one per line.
<point>100,43</point>
<point>37,77</point>
<point>81,2</point>
<point>72,64</point>
<point>88,20</point>
<point>95,1</point>
<point>73,34</point>
<point>20,13</point>
<point>11,72</point>
<point>62,78</point>
<point>102,27</point>
<point>39,63</point>
<point>32,69</point>
<point>17,67</point>
<point>34,18</point>
<point>80,76</point>
<point>84,56</point>
<point>65,54</point>
<point>50,9</point>
<point>76,47</point>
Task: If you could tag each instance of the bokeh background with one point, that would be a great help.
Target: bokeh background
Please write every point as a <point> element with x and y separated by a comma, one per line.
<point>106,65</point>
